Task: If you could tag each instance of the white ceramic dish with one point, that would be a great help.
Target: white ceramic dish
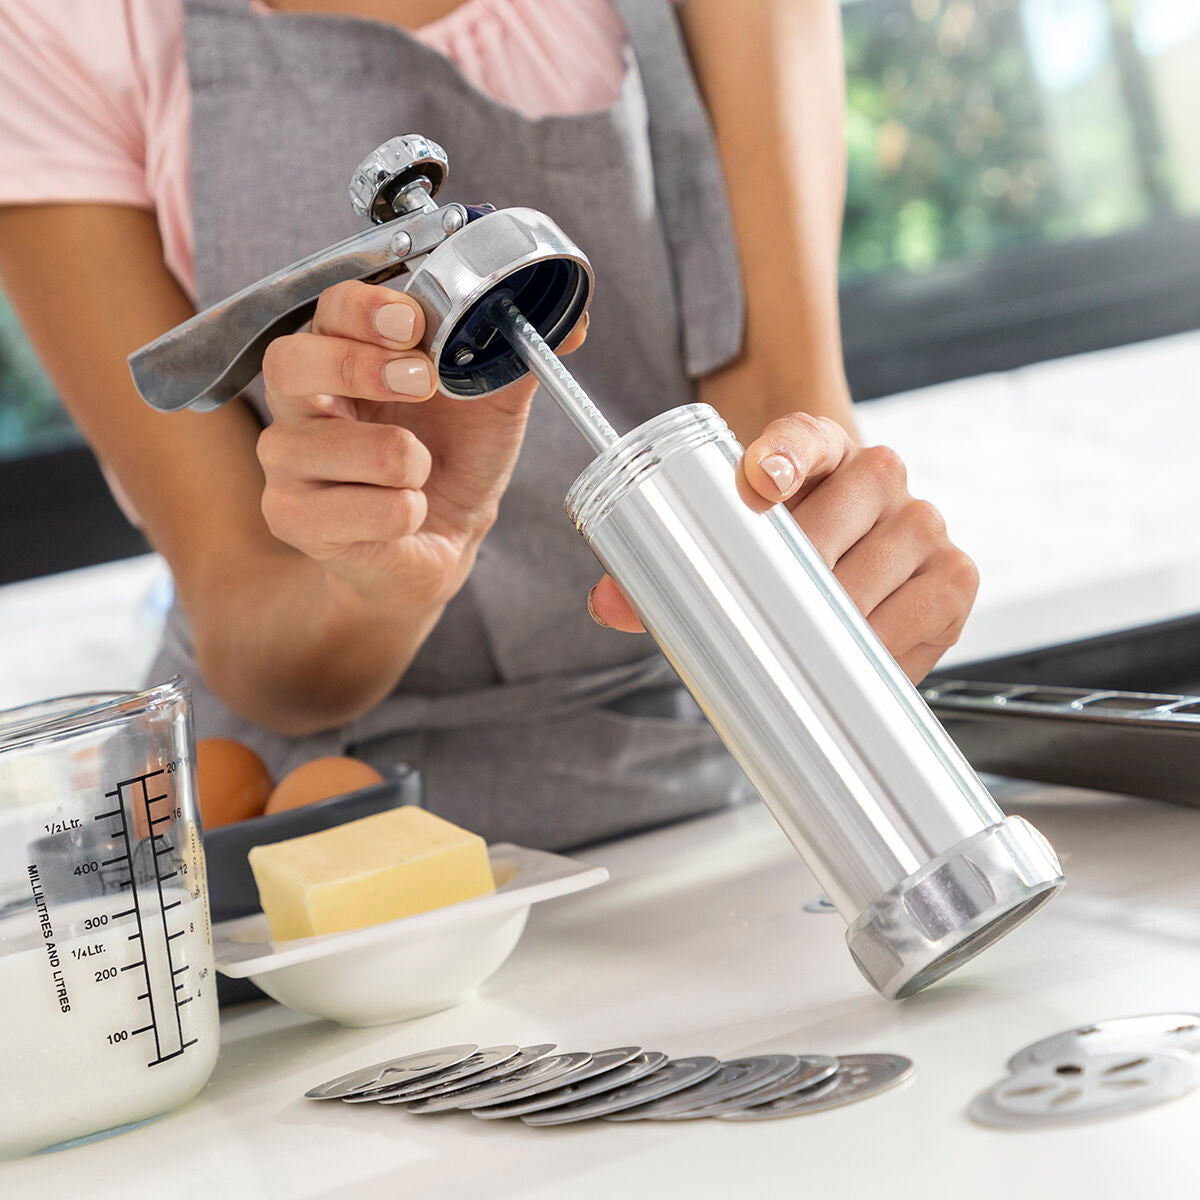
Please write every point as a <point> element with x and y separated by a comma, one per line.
<point>406,968</point>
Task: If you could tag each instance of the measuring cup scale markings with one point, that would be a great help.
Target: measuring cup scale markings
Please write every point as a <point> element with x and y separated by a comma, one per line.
<point>106,965</point>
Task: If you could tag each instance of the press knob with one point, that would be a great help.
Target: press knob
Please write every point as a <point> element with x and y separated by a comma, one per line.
<point>380,181</point>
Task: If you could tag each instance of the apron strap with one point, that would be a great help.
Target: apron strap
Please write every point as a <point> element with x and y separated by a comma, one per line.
<point>690,189</point>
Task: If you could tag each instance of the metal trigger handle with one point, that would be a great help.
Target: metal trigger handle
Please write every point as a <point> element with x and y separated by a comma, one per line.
<point>210,358</point>
<point>460,259</point>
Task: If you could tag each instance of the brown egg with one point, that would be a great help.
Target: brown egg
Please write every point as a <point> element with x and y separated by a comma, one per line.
<point>232,781</point>
<point>319,780</point>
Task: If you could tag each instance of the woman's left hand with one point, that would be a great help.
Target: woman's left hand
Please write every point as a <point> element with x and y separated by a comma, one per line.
<point>889,551</point>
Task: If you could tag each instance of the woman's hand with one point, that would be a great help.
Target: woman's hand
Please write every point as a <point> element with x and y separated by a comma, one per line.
<point>890,552</point>
<point>387,484</point>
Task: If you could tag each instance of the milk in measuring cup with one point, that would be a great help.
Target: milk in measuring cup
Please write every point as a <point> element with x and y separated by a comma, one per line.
<point>80,1050</point>
<point>108,1012</point>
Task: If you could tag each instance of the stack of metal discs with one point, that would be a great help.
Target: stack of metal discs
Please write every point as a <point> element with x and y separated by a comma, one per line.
<point>541,1086</point>
<point>1095,1071</point>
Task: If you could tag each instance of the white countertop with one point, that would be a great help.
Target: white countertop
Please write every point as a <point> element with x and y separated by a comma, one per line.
<point>700,944</point>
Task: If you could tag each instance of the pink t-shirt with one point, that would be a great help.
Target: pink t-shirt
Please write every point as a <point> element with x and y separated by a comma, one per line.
<point>94,102</point>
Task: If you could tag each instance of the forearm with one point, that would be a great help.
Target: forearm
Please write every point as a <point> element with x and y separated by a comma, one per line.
<point>296,649</point>
<point>772,77</point>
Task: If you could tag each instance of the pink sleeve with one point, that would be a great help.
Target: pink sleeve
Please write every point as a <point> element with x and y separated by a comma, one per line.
<point>72,121</point>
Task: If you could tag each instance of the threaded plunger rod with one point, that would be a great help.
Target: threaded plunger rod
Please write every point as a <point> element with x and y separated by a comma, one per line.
<point>562,386</point>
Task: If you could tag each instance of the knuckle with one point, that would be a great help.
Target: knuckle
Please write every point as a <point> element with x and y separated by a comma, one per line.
<point>277,511</point>
<point>405,512</point>
<point>804,437</point>
<point>268,450</point>
<point>962,574</point>
<point>333,300</point>
<point>275,358</point>
<point>887,465</point>
<point>397,450</point>
<point>927,520</point>
<point>805,427</point>
<point>341,293</point>
<point>827,427</point>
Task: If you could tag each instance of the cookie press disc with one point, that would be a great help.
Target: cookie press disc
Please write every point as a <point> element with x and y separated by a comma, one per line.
<point>858,1077</point>
<point>542,1071</point>
<point>814,1071</point>
<point>600,1063</point>
<point>607,1081</point>
<point>1085,1088</point>
<point>735,1078</point>
<point>674,1076</point>
<point>410,1066</point>
<point>437,1086</point>
<point>469,1067</point>
<point>1156,1032</point>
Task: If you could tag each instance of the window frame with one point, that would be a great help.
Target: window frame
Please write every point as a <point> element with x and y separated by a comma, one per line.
<point>975,316</point>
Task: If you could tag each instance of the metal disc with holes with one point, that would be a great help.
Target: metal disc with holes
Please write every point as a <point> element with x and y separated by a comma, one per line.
<point>481,1060</point>
<point>735,1078</point>
<point>1155,1033</point>
<point>814,1069</point>
<point>673,1076</point>
<point>1085,1088</point>
<point>858,1076</point>
<point>442,1085</point>
<point>408,1067</point>
<point>629,1072</point>
<point>544,1071</point>
<point>602,1062</point>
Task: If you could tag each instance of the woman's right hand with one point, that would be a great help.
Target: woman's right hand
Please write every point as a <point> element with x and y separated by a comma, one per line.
<point>371,472</point>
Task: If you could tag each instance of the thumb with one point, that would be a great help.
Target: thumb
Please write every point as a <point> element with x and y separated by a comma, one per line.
<point>608,606</point>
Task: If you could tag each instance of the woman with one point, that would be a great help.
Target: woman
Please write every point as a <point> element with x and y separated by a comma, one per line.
<point>365,565</point>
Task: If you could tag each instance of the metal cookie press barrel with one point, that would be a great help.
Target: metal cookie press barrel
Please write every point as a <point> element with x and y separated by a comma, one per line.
<point>901,834</point>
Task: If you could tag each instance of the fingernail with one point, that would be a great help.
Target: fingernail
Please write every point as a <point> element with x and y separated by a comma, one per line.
<point>592,608</point>
<point>781,471</point>
<point>396,321</point>
<point>408,377</point>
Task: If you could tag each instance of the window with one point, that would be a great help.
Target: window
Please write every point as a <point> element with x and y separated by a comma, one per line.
<point>31,419</point>
<point>1024,181</point>
<point>55,509</point>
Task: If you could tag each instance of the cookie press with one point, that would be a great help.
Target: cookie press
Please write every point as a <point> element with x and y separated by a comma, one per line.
<point>908,844</point>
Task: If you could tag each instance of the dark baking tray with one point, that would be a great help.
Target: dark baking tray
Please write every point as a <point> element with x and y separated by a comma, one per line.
<point>1119,712</point>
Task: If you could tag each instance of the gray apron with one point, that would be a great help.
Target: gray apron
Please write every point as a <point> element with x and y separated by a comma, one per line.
<point>530,722</point>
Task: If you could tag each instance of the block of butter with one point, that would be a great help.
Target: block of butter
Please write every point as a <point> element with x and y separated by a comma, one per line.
<point>389,865</point>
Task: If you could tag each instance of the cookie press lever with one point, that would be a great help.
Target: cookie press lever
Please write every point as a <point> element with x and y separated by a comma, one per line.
<point>454,258</point>
<point>909,845</point>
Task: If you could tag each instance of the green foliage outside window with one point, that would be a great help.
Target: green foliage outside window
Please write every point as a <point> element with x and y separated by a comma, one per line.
<point>974,127</point>
<point>31,419</point>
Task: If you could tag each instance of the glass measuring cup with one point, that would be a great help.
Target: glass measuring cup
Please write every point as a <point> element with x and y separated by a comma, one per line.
<point>108,1006</point>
